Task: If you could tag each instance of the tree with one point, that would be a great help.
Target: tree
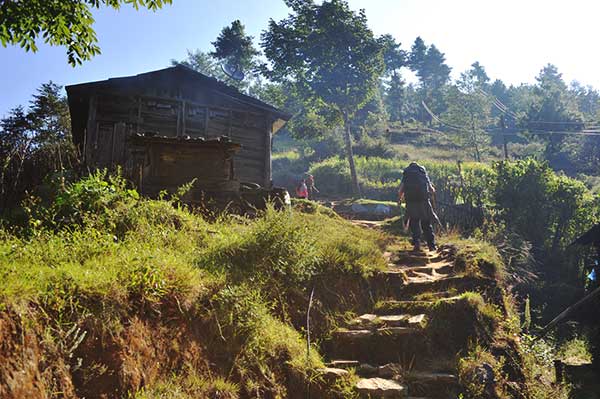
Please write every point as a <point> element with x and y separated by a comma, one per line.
<point>476,78</point>
<point>435,72</point>
<point>202,62</point>
<point>430,66</point>
<point>551,110</point>
<point>500,92</point>
<point>416,59</point>
<point>469,112</point>
<point>587,98</point>
<point>59,23</point>
<point>330,55</point>
<point>396,98</point>
<point>235,47</point>
<point>35,142</point>
<point>394,57</point>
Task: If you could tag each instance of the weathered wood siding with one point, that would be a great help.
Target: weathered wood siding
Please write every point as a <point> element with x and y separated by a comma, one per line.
<point>172,108</point>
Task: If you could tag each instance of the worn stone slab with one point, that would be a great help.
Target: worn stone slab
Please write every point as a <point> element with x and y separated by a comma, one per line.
<point>428,378</point>
<point>395,320</point>
<point>372,321</point>
<point>366,370</point>
<point>343,364</point>
<point>344,333</point>
<point>332,374</point>
<point>380,388</point>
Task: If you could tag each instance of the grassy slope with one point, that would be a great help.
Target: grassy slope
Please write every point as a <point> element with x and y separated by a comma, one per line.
<point>115,295</point>
<point>127,267</point>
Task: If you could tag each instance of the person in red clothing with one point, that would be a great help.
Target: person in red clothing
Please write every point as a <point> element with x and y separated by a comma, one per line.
<point>302,190</point>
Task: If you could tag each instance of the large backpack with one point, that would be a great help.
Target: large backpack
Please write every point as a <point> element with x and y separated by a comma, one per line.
<point>416,183</point>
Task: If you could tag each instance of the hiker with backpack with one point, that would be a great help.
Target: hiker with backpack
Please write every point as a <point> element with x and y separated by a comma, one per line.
<point>416,189</point>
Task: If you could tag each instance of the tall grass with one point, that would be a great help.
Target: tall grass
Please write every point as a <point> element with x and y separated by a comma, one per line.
<point>380,178</point>
<point>96,250</point>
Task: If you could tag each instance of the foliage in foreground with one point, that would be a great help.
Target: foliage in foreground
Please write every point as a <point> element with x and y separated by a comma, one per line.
<point>98,242</point>
<point>66,24</point>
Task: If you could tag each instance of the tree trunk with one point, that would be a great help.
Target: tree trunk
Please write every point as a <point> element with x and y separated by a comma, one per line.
<point>476,145</point>
<point>350,156</point>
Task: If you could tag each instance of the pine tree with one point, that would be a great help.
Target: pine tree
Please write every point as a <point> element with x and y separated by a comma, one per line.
<point>234,46</point>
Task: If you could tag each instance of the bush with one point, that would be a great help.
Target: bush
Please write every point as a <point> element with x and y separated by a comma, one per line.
<point>123,258</point>
<point>547,209</point>
<point>380,179</point>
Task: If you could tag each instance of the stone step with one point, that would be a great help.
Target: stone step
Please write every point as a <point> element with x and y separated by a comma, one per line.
<point>428,270</point>
<point>348,334</point>
<point>442,285</point>
<point>332,374</point>
<point>415,258</point>
<point>343,364</point>
<point>408,307</point>
<point>432,384</point>
<point>378,346</point>
<point>426,377</point>
<point>392,306</point>
<point>440,385</point>
<point>396,371</point>
<point>372,321</point>
<point>387,283</point>
<point>380,388</point>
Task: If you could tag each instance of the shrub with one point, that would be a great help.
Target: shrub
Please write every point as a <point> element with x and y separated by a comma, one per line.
<point>125,258</point>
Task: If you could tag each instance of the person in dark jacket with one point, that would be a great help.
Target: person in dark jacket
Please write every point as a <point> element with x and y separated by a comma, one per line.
<point>416,189</point>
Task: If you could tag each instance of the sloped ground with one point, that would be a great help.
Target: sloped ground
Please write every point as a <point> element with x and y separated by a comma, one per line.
<point>388,347</point>
<point>108,295</point>
<point>421,338</point>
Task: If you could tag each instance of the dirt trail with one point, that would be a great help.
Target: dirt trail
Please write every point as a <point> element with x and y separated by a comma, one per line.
<point>388,347</point>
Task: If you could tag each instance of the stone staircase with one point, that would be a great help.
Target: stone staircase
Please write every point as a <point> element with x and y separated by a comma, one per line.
<point>387,348</point>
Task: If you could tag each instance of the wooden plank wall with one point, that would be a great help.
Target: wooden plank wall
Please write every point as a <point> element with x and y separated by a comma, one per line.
<point>166,116</point>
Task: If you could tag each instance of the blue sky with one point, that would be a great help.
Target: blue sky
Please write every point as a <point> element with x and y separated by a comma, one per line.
<point>513,39</point>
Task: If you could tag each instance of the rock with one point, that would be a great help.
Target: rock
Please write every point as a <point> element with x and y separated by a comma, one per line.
<point>390,370</point>
<point>362,322</point>
<point>380,388</point>
<point>352,335</point>
<point>366,369</point>
<point>485,374</point>
<point>331,374</point>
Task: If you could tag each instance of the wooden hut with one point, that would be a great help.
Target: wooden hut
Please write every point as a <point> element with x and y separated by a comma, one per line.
<point>166,127</point>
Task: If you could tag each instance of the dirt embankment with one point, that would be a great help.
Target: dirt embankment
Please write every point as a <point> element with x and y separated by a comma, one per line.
<point>96,360</point>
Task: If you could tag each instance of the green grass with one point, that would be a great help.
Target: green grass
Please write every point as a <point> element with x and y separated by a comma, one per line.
<point>101,254</point>
<point>190,386</point>
<point>575,351</point>
<point>476,258</point>
<point>292,155</point>
<point>380,177</point>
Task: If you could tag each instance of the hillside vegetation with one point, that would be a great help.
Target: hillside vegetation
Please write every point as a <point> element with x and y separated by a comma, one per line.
<point>108,294</point>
